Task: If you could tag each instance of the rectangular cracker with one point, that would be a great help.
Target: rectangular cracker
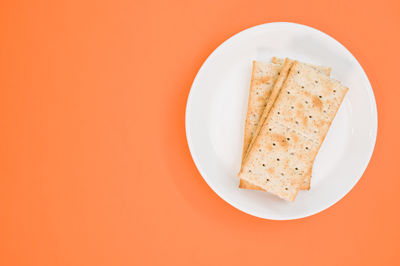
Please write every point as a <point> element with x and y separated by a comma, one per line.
<point>263,78</point>
<point>281,76</point>
<point>286,64</point>
<point>288,141</point>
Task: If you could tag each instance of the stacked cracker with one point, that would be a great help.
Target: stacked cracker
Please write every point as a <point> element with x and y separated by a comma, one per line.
<point>291,106</point>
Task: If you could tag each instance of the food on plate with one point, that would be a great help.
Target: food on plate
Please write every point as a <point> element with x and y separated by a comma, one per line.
<point>288,126</point>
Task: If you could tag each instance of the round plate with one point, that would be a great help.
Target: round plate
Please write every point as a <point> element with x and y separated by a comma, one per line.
<point>216,111</point>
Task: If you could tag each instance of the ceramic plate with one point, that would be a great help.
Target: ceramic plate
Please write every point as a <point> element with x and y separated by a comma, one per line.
<point>216,111</point>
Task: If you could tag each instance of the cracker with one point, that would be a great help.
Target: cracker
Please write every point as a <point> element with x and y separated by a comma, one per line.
<point>293,132</point>
<point>269,102</point>
<point>263,78</point>
<point>286,64</point>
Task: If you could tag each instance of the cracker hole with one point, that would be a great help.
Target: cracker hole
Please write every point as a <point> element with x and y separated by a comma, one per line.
<point>316,81</point>
<point>306,148</point>
<point>273,144</point>
<point>292,107</point>
<point>263,164</point>
<point>320,97</point>
<point>249,171</point>
<point>298,72</point>
<point>310,116</point>
<point>296,168</point>
<point>259,149</point>
<point>270,129</point>
<point>267,180</point>
<point>288,92</point>
<point>288,138</point>
<point>277,159</point>
<point>306,102</point>
<point>334,91</point>
<point>286,188</point>
<point>297,122</point>
<point>279,113</point>
<point>282,174</point>
<point>292,153</point>
<point>302,87</point>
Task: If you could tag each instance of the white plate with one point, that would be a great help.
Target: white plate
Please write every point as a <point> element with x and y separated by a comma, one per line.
<point>216,111</point>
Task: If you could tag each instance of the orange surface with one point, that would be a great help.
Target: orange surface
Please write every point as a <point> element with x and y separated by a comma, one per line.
<point>94,165</point>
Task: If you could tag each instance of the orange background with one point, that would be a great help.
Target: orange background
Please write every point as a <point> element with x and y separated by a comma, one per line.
<point>94,165</point>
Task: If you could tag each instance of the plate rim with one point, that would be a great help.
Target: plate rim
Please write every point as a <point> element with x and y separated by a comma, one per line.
<point>374,117</point>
